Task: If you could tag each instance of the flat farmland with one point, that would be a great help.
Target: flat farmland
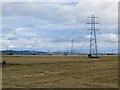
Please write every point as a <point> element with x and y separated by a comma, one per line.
<point>60,72</point>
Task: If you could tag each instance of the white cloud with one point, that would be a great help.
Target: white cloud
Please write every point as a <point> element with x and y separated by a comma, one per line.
<point>110,38</point>
<point>19,29</point>
<point>28,46</point>
<point>11,46</point>
<point>60,1</point>
<point>65,13</point>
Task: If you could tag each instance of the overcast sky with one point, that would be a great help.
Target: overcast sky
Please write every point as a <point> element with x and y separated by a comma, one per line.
<point>51,25</point>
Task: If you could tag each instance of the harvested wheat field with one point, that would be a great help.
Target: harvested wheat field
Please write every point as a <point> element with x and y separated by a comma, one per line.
<point>60,72</point>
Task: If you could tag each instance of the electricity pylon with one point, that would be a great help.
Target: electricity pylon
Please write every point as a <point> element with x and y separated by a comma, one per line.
<point>93,39</point>
<point>72,47</point>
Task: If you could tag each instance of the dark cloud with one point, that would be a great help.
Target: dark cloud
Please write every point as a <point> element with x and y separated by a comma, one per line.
<point>12,38</point>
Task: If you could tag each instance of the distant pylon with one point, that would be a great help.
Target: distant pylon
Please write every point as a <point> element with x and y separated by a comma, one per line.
<point>72,46</point>
<point>93,41</point>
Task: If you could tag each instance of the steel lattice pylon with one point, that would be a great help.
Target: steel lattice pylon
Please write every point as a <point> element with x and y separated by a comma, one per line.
<point>72,47</point>
<point>93,40</point>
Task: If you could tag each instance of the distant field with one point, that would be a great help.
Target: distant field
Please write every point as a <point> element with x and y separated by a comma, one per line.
<point>60,72</point>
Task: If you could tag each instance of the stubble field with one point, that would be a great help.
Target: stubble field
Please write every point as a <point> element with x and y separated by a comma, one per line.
<point>59,72</point>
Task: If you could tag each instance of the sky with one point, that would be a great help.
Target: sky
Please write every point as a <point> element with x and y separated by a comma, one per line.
<point>44,26</point>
